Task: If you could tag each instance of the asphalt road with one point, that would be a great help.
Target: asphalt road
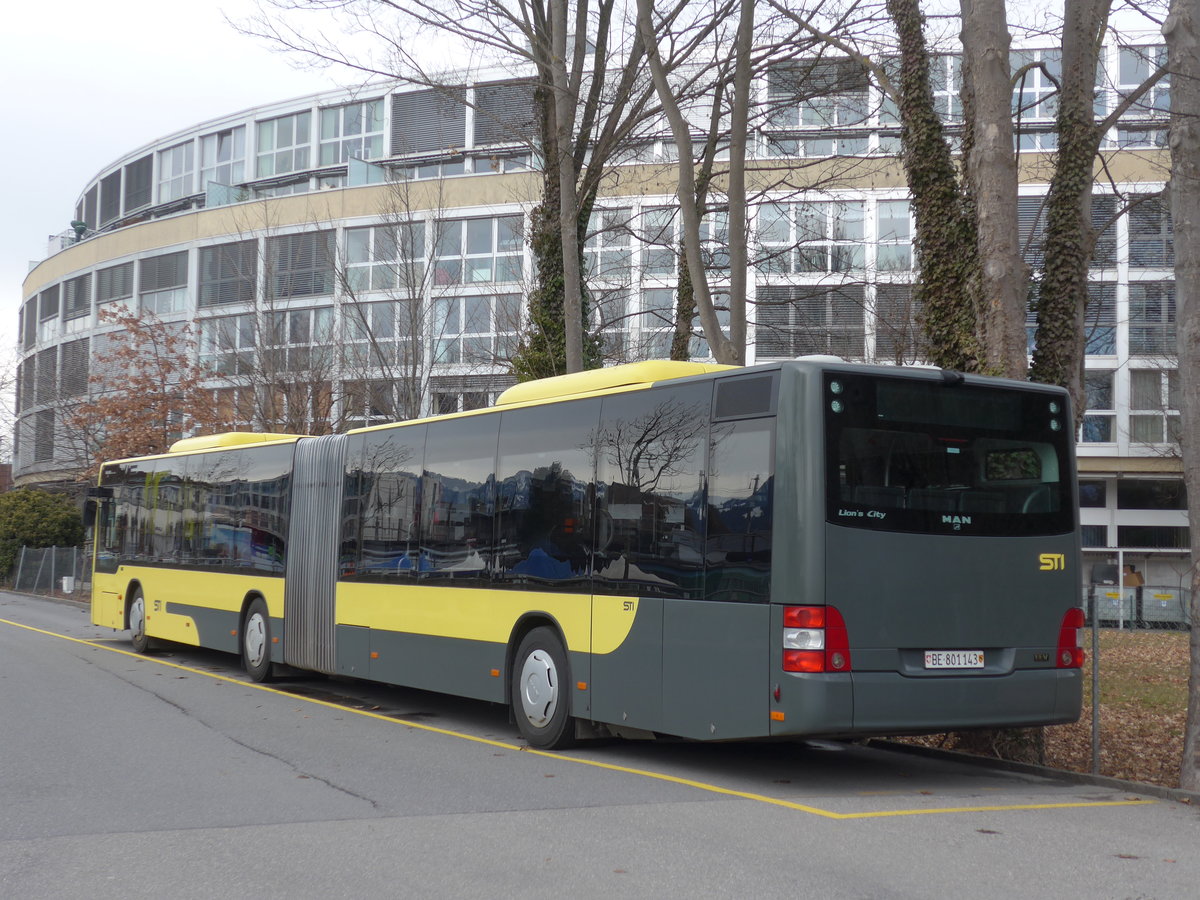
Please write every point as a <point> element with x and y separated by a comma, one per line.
<point>170,775</point>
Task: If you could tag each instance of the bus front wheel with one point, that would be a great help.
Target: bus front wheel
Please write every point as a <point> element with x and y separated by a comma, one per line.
<point>256,641</point>
<point>137,622</point>
<point>540,694</point>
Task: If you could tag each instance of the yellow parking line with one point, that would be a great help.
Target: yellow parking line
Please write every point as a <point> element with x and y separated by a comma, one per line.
<point>596,764</point>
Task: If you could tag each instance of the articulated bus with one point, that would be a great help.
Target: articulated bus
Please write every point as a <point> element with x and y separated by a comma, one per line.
<point>808,548</point>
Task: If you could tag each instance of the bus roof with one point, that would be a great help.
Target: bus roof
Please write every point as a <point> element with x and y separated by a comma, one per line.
<point>594,380</point>
<point>228,439</point>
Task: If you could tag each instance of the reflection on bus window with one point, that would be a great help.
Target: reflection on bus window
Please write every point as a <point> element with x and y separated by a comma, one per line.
<point>650,493</point>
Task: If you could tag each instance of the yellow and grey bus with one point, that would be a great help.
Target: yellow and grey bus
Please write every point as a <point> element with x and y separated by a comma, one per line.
<point>808,548</point>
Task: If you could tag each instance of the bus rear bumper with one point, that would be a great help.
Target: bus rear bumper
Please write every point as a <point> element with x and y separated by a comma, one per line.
<point>876,704</point>
<point>889,703</point>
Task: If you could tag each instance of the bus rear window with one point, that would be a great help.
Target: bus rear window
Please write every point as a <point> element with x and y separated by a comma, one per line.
<point>923,456</point>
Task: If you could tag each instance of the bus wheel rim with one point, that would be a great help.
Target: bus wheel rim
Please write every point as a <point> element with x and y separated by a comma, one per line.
<point>256,639</point>
<point>137,617</point>
<point>539,688</point>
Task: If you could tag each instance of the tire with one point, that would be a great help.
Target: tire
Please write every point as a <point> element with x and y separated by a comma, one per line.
<point>256,641</point>
<point>137,622</point>
<point>541,696</point>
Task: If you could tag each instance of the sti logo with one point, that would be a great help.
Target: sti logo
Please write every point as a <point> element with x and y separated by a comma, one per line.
<point>1051,562</point>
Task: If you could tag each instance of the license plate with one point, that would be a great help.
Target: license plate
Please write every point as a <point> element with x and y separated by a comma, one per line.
<point>954,659</point>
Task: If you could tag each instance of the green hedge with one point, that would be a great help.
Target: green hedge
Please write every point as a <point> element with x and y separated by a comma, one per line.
<point>30,518</point>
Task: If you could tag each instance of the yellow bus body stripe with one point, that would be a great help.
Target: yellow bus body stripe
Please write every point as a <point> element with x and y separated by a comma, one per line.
<point>161,587</point>
<point>596,625</point>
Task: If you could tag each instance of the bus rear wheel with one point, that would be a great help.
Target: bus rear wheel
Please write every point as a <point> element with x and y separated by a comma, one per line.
<point>256,642</point>
<point>540,694</point>
<point>137,622</point>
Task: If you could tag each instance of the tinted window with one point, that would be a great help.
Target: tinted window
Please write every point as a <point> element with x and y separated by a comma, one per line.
<point>545,502</point>
<point>236,507</point>
<point>738,544</point>
<point>650,493</point>
<point>164,510</point>
<point>744,397</point>
<point>458,500</point>
<point>390,492</point>
<point>917,455</point>
<point>119,541</point>
<point>352,504</point>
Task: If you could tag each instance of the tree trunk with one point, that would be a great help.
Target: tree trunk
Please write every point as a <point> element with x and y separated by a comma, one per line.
<point>568,210</point>
<point>945,241</point>
<point>738,233</point>
<point>1062,294</point>
<point>1182,30</point>
<point>685,311</point>
<point>689,212</point>
<point>991,169</point>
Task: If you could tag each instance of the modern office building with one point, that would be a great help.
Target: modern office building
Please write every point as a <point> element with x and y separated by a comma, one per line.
<point>348,258</point>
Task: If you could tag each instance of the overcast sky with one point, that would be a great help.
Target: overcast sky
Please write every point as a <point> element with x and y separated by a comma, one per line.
<point>85,82</point>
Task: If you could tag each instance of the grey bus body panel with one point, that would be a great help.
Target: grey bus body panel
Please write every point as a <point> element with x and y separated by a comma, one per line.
<point>217,629</point>
<point>688,668</point>
<point>309,641</point>
<point>887,703</point>
<point>714,669</point>
<point>627,683</point>
<point>973,593</point>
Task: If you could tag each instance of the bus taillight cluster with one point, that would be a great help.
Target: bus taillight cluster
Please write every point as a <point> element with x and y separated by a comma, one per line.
<point>815,640</point>
<point>1070,646</point>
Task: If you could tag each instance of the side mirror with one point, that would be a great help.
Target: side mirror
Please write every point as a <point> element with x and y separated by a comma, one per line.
<point>94,497</point>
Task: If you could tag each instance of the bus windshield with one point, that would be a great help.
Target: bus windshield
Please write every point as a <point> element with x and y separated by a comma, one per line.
<point>934,457</point>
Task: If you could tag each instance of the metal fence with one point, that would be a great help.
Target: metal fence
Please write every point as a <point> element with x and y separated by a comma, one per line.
<point>53,570</point>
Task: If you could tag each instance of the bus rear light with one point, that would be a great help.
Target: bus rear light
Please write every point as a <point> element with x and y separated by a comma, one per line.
<point>803,661</point>
<point>804,617</point>
<point>804,638</point>
<point>1070,644</point>
<point>815,640</point>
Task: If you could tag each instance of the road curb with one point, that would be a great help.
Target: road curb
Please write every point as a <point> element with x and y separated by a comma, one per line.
<point>1005,765</point>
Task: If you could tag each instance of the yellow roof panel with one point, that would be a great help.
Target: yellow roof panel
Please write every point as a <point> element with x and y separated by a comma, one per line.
<point>228,439</point>
<point>594,380</point>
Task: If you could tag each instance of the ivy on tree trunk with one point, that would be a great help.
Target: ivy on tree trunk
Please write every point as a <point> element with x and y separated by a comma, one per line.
<point>945,239</point>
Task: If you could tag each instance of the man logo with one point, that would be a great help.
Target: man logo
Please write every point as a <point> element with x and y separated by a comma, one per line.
<point>1051,562</point>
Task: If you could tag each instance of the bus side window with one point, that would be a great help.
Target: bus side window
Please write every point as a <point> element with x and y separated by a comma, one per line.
<point>388,502</point>
<point>740,493</point>
<point>458,499</point>
<point>651,449</point>
<point>544,478</point>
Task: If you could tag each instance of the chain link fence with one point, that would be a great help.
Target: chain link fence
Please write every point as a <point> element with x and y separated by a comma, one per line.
<point>60,571</point>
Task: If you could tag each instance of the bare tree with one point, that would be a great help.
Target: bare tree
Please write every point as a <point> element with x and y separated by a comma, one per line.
<point>8,402</point>
<point>584,63</point>
<point>146,393</point>
<point>1182,31</point>
<point>725,349</point>
<point>1062,295</point>
<point>278,361</point>
<point>401,310</point>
